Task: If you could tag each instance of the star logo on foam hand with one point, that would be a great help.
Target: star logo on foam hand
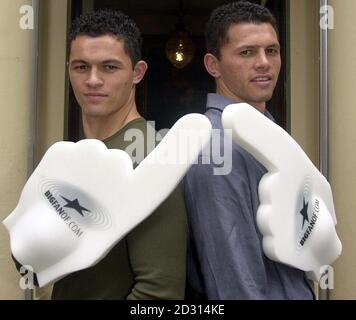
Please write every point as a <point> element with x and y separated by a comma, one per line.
<point>74,204</point>
<point>304,212</point>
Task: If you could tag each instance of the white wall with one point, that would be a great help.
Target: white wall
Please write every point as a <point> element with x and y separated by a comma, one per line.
<point>304,75</point>
<point>15,53</point>
<point>343,141</point>
<point>15,97</point>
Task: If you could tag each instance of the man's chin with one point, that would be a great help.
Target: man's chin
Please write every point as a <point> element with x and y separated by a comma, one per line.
<point>93,111</point>
<point>259,100</point>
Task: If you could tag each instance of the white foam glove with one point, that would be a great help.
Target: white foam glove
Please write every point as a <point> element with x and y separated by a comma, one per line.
<point>83,198</point>
<point>296,214</point>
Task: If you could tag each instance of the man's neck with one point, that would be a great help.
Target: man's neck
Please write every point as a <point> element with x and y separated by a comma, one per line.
<point>104,127</point>
<point>225,92</point>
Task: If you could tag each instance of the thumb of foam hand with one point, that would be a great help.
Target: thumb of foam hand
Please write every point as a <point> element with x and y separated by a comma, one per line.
<point>83,198</point>
<point>296,214</point>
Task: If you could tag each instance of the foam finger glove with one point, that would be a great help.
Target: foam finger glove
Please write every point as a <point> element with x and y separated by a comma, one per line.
<point>83,198</point>
<point>296,214</point>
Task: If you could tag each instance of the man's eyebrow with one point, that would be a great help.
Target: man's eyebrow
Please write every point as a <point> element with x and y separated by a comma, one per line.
<point>274,45</point>
<point>251,47</point>
<point>109,61</point>
<point>78,61</point>
<point>246,47</point>
<point>112,61</point>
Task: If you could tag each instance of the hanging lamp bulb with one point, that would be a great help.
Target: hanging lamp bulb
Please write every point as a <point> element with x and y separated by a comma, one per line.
<point>180,47</point>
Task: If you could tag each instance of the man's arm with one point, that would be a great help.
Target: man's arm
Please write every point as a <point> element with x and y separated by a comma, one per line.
<point>157,250</point>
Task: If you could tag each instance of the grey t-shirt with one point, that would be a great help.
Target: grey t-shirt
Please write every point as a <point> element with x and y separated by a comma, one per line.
<point>226,260</point>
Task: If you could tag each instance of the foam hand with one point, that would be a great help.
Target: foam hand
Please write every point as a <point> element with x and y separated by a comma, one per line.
<point>296,214</point>
<point>83,198</point>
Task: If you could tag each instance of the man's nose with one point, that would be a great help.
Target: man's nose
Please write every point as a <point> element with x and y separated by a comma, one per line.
<point>262,61</point>
<point>94,78</point>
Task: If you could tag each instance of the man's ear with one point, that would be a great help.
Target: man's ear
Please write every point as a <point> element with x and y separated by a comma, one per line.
<point>212,65</point>
<point>139,71</point>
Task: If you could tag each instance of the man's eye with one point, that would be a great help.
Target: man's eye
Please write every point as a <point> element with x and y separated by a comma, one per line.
<point>110,68</point>
<point>272,51</point>
<point>246,53</point>
<point>81,67</point>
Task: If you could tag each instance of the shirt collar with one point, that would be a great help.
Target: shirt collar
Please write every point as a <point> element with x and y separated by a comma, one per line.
<point>217,101</point>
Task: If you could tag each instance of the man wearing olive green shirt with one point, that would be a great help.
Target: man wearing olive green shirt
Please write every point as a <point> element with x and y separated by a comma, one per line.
<point>105,66</point>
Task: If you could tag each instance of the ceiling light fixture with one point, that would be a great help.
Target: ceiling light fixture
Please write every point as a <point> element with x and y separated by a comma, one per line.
<point>180,48</point>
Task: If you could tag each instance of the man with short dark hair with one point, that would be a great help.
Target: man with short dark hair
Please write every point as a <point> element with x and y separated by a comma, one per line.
<point>226,259</point>
<point>104,67</point>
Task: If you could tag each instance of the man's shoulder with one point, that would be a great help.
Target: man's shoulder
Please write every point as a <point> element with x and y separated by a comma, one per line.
<point>140,124</point>
<point>132,138</point>
<point>214,116</point>
<point>222,158</point>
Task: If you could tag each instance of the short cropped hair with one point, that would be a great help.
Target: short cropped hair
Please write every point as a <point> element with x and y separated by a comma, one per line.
<point>109,22</point>
<point>216,33</point>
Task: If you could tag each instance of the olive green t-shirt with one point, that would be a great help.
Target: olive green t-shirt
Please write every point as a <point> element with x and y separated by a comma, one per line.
<point>150,262</point>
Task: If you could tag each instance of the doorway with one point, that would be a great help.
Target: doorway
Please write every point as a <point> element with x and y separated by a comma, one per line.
<point>167,93</point>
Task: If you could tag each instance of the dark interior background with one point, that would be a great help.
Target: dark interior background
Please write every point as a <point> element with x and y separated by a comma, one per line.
<point>167,93</point>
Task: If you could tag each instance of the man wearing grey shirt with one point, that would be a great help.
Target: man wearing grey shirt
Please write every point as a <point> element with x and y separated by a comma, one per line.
<point>226,260</point>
